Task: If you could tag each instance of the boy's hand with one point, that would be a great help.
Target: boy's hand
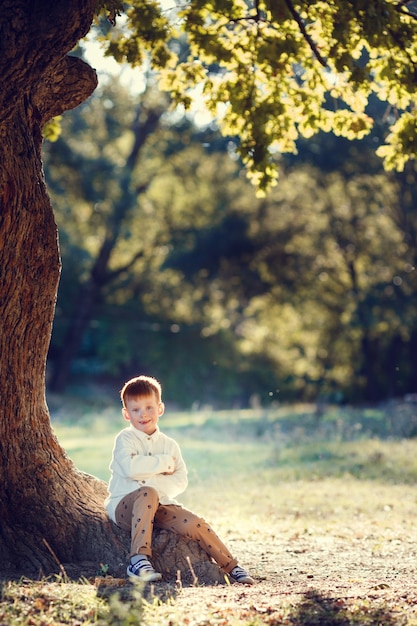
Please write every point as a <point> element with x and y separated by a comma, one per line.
<point>174,459</point>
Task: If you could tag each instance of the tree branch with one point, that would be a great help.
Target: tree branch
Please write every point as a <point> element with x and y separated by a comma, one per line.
<point>34,37</point>
<point>404,9</point>
<point>111,275</point>
<point>305,34</point>
<point>70,83</point>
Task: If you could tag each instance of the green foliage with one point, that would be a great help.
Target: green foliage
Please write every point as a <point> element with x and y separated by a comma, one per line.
<point>147,316</point>
<point>52,129</point>
<point>272,71</point>
<point>321,268</point>
<point>306,292</point>
<point>146,32</point>
<point>401,145</point>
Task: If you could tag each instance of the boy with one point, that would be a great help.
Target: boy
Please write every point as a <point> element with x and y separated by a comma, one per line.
<point>147,473</point>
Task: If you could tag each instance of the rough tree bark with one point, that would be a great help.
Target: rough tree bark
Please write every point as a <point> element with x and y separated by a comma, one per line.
<point>50,513</point>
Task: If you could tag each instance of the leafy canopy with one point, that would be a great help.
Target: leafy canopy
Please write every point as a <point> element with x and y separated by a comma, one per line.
<point>274,70</point>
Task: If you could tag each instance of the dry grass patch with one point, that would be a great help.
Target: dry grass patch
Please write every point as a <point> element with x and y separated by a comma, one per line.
<point>320,510</point>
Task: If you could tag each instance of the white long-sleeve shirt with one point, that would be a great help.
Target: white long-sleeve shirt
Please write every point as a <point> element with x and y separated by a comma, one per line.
<point>141,460</point>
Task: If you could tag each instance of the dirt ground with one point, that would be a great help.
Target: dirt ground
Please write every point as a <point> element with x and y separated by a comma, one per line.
<point>341,578</point>
<point>345,568</point>
<point>306,579</point>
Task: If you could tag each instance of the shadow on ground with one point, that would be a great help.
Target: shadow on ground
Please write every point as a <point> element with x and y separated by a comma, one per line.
<point>317,609</point>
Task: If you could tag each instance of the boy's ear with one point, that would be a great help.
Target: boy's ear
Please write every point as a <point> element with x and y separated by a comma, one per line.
<point>161,409</point>
<point>125,414</point>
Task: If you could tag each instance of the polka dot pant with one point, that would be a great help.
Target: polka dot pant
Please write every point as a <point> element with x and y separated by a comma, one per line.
<point>140,510</point>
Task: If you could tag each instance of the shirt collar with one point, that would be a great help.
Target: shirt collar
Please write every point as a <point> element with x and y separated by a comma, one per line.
<point>141,435</point>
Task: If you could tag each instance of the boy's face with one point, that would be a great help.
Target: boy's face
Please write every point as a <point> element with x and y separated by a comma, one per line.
<point>143,412</point>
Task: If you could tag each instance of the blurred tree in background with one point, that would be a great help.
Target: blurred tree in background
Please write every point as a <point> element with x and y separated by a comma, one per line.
<point>118,306</point>
<point>173,265</point>
<point>98,170</point>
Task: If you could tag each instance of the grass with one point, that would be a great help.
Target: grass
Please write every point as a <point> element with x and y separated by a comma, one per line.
<point>307,476</point>
<point>58,602</point>
<point>286,472</point>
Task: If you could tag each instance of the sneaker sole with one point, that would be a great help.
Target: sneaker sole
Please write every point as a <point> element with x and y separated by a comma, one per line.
<point>242,581</point>
<point>145,578</point>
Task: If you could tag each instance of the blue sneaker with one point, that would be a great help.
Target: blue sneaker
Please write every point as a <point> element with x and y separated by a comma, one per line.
<point>239,575</point>
<point>143,570</point>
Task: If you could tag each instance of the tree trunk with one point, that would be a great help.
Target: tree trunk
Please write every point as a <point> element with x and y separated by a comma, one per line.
<point>51,514</point>
<point>178,558</point>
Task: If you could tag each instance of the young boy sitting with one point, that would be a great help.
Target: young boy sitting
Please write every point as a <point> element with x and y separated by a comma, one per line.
<point>147,473</point>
